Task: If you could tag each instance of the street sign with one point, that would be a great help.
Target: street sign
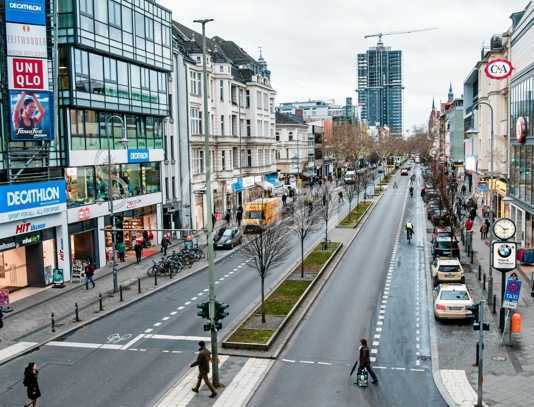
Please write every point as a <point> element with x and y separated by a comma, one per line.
<point>503,255</point>
<point>512,293</point>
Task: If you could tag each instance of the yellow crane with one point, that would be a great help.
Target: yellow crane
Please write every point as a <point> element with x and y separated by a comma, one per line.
<point>379,35</point>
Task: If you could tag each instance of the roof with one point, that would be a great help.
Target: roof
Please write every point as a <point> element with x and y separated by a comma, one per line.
<point>233,51</point>
<point>286,118</point>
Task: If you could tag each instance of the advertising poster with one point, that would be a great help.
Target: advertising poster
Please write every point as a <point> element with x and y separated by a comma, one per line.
<point>25,40</point>
<point>26,11</point>
<point>31,115</point>
<point>27,73</point>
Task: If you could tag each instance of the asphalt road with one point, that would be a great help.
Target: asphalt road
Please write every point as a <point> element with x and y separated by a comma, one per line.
<point>74,374</point>
<point>363,300</point>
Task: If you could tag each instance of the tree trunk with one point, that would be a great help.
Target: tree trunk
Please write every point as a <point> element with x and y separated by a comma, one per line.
<point>301,257</point>
<point>326,233</point>
<point>262,298</point>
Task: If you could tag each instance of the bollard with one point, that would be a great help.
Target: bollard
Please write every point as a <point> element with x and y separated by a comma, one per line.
<point>479,272</point>
<point>155,278</point>
<point>476,355</point>
<point>494,305</point>
<point>472,255</point>
<point>120,293</point>
<point>53,322</point>
<point>490,289</point>
<point>170,273</point>
<point>100,304</point>
<point>76,313</point>
<point>484,282</point>
<point>138,285</point>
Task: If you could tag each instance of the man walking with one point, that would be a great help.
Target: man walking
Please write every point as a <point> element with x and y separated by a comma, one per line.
<point>138,248</point>
<point>89,273</point>
<point>164,245</point>
<point>364,361</point>
<point>239,216</point>
<point>203,363</point>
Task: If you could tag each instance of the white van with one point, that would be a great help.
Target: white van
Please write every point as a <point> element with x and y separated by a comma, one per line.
<point>350,177</point>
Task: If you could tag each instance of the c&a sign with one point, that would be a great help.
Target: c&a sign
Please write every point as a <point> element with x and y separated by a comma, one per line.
<point>499,68</point>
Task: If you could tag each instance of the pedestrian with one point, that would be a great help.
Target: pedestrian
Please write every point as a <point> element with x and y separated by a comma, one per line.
<point>121,251</point>
<point>31,384</point>
<point>364,361</point>
<point>145,238</point>
<point>423,193</point>
<point>164,245</point>
<point>138,248</point>
<point>89,273</point>
<point>1,318</point>
<point>483,230</point>
<point>213,220</point>
<point>488,225</point>
<point>463,189</point>
<point>473,212</point>
<point>284,199</point>
<point>239,215</point>
<point>228,216</point>
<point>203,363</point>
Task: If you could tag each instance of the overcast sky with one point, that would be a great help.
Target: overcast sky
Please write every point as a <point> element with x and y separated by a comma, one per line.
<point>311,45</point>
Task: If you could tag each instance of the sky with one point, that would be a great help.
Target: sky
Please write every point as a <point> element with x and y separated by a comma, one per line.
<point>311,45</point>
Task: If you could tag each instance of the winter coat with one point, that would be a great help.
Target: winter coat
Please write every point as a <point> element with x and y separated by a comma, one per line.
<point>203,361</point>
<point>32,386</point>
<point>365,357</point>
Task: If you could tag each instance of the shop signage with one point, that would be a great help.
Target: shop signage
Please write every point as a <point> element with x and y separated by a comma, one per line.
<point>31,115</point>
<point>4,297</point>
<point>26,11</point>
<point>237,185</point>
<point>58,278</point>
<point>503,255</point>
<point>512,293</point>
<point>499,68</point>
<point>25,40</point>
<point>7,245</point>
<point>521,129</point>
<point>17,197</point>
<point>31,239</point>
<point>139,155</point>
<point>134,203</point>
<point>27,73</point>
<point>28,227</point>
<point>84,213</point>
<point>248,181</point>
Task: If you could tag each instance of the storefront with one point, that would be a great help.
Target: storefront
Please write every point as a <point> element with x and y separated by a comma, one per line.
<point>133,223</point>
<point>83,243</point>
<point>499,188</point>
<point>33,234</point>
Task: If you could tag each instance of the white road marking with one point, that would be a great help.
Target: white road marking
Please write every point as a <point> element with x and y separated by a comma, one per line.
<point>147,331</point>
<point>289,360</point>
<point>231,272</point>
<point>374,351</point>
<point>15,349</point>
<point>173,313</point>
<point>217,282</point>
<point>379,322</point>
<point>84,345</point>
<point>181,307</point>
<point>376,343</point>
<point>307,362</point>
<point>176,351</point>
<point>134,340</point>
<point>379,367</point>
<point>187,302</point>
<point>324,363</point>
<point>372,359</point>
<point>378,329</point>
<point>133,349</point>
<point>381,317</point>
<point>398,368</point>
<point>194,298</point>
<point>178,338</point>
<point>142,350</point>
<point>165,351</point>
<point>157,324</point>
<point>165,318</point>
<point>200,293</point>
<point>377,336</point>
<point>417,370</point>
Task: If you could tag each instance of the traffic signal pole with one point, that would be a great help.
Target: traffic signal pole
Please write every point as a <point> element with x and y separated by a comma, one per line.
<point>209,211</point>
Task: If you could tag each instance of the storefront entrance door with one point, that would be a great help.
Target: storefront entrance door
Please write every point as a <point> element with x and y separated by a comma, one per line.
<point>34,265</point>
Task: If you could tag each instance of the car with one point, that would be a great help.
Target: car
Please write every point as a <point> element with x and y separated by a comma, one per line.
<point>452,301</point>
<point>430,209</point>
<point>447,270</point>
<point>404,172</point>
<point>445,246</point>
<point>230,238</point>
<point>218,233</point>
<point>350,177</point>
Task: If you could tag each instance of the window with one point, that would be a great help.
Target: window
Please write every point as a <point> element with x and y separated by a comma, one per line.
<point>82,70</point>
<point>234,125</point>
<point>101,12</point>
<point>171,142</point>
<point>96,70</point>
<point>139,25</point>
<point>234,157</point>
<point>110,76</point>
<point>260,157</point>
<point>266,129</point>
<point>150,176</point>
<point>149,28</point>
<point>233,92</point>
<point>249,158</point>
<point>265,101</point>
<point>223,160</point>
<point>249,130</point>
<point>259,99</point>
<point>80,185</point>
<point>290,137</point>
<point>166,188</point>
<point>195,84</point>
<point>195,121</point>
<point>115,14</point>
<point>248,100</point>
<point>277,136</point>
<point>86,7</point>
<point>259,130</point>
<point>221,89</point>
<point>173,187</point>
<point>222,125</point>
<point>126,19</point>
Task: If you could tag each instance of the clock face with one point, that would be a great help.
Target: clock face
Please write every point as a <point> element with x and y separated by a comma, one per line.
<point>504,228</point>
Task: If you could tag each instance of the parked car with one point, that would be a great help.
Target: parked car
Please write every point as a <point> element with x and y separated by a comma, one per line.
<point>445,246</point>
<point>218,233</point>
<point>430,209</point>
<point>230,238</point>
<point>404,172</point>
<point>447,270</point>
<point>441,231</point>
<point>440,218</point>
<point>452,301</point>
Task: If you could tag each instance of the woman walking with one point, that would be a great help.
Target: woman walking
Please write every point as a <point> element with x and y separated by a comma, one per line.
<point>32,386</point>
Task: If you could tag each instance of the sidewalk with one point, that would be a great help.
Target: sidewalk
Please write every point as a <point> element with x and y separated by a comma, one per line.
<point>506,382</point>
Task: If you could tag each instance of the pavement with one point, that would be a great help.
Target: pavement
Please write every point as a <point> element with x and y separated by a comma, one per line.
<point>137,354</point>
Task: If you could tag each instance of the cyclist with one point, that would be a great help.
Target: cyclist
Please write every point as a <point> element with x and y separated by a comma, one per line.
<point>409,231</point>
<point>411,192</point>
<point>340,196</point>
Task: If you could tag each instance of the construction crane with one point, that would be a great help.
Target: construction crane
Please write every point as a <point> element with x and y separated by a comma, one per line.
<point>379,35</point>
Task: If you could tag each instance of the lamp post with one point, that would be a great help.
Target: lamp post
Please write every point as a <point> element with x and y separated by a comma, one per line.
<point>124,142</point>
<point>209,220</point>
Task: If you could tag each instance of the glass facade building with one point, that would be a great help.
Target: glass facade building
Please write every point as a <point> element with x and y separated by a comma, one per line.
<point>380,87</point>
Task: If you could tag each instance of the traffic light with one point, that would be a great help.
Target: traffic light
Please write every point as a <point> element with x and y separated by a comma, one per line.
<point>220,310</point>
<point>476,324</point>
<point>207,327</point>
<point>203,310</point>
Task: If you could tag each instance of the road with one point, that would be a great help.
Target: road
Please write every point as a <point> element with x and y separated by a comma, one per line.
<point>112,362</point>
<point>377,292</point>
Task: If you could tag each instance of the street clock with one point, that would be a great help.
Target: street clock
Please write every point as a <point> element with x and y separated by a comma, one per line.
<point>504,228</point>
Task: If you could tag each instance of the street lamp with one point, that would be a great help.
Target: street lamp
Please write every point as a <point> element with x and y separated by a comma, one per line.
<point>209,220</point>
<point>124,142</point>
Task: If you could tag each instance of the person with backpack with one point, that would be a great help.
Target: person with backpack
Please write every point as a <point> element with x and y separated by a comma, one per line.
<point>31,384</point>
<point>89,273</point>
<point>203,363</point>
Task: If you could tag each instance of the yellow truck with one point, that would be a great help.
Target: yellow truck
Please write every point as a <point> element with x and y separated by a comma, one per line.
<point>261,213</point>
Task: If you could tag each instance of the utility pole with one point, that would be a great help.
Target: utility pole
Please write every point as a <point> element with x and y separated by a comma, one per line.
<point>481,353</point>
<point>209,220</point>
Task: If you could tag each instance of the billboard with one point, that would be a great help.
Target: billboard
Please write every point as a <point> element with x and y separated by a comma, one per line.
<point>31,115</point>
<point>26,11</point>
<point>27,73</point>
<point>25,40</point>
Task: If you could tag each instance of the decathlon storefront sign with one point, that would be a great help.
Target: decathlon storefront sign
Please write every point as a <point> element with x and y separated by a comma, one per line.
<point>139,155</point>
<point>22,201</point>
<point>26,11</point>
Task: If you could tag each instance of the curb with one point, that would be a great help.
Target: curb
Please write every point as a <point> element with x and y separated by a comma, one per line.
<point>109,312</point>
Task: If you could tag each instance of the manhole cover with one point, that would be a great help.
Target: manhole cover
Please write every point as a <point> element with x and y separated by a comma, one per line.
<point>498,358</point>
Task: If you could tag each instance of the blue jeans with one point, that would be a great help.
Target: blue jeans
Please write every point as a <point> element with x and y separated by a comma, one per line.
<point>87,280</point>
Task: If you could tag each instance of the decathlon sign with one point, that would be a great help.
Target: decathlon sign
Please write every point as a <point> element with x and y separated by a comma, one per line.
<point>18,197</point>
<point>139,155</point>
<point>499,68</point>
<point>26,11</point>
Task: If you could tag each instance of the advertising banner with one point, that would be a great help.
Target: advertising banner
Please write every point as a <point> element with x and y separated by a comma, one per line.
<point>512,293</point>
<point>26,11</point>
<point>31,115</point>
<point>27,73</point>
<point>139,155</point>
<point>16,197</point>
<point>503,255</point>
<point>25,40</point>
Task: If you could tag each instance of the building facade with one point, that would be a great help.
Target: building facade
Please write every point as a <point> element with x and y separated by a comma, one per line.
<point>380,88</point>
<point>291,146</point>
<point>241,125</point>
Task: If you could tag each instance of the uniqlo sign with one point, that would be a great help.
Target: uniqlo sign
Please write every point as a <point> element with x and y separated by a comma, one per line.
<point>27,73</point>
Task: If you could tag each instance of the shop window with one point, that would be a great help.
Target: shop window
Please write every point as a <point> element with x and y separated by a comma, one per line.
<point>80,185</point>
<point>150,177</point>
<point>131,179</point>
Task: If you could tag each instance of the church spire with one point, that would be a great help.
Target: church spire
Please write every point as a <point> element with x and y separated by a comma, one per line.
<point>450,96</point>
<point>433,104</point>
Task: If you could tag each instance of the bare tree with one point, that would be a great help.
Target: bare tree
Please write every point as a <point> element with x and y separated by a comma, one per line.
<point>267,250</point>
<point>350,191</point>
<point>305,222</point>
<point>327,203</point>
